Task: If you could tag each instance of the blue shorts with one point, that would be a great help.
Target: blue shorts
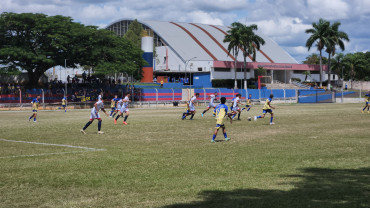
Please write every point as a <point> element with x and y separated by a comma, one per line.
<point>64,106</point>
<point>247,106</point>
<point>267,111</point>
<point>220,126</point>
<point>34,111</point>
<point>367,103</point>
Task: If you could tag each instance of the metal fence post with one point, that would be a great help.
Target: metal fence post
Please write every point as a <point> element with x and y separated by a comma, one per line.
<point>43,99</point>
<point>259,94</point>
<point>20,97</point>
<point>173,95</point>
<point>205,96</point>
<point>156,96</point>
<point>219,92</point>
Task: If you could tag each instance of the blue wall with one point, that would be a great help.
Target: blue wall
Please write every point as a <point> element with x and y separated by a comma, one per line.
<point>202,80</point>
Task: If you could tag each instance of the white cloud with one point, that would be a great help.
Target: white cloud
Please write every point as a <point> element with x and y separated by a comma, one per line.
<point>205,18</point>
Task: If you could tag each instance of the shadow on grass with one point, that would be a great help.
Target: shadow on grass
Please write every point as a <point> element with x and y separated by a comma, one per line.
<point>318,187</point>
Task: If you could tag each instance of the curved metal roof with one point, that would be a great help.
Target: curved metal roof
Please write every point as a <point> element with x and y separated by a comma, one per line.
<point>205,42</point>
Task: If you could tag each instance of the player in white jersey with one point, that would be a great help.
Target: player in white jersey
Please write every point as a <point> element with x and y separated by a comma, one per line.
<point>211,104</point>
<point>123,108</point>
<point>190,110</point>
<point>236,109</point>
<point>99,105</point>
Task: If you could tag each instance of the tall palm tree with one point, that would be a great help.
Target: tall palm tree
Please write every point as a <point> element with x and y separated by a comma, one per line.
<point>250,42</point>
<point>319,34</point>
<point>234,39</point>
<point>336,37</point>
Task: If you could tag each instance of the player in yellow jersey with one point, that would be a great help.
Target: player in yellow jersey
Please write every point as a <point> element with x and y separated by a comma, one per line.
<point>64,104</point>
<point>35,106</point>
<point>267,109</point>
<point>221,111</point>
<point>367,100</point>
<point>249,103</point>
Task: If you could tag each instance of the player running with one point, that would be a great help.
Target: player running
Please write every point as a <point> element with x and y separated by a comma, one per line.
<point>190,110</point>
<point>267,109</point>
<point>99,105</point>
<point>64,104</point>
<point>236,109</point>
<point>249,104</point>
<point>221,112</point>
<point>113,106</point>
<point>367,100</point>
<point>123,108</point>
<point>211,104</point>
<point>35,106</point>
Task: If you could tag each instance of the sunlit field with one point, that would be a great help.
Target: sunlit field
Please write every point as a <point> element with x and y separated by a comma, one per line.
<point>315,155</point>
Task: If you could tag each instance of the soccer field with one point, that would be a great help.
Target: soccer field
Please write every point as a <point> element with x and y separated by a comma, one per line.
<point>315,155</point>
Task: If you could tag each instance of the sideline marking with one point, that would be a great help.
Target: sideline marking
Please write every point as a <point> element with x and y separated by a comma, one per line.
<point>48,144</point>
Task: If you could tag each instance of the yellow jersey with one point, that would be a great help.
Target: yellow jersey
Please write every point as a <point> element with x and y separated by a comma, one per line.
<point>63,101</point>
<point>113,103</point>
<point>35,104</point>
<point>267,104</point>
<point>221,112</point>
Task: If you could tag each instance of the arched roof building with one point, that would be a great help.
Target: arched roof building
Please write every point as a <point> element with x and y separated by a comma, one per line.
<point>182,48</point>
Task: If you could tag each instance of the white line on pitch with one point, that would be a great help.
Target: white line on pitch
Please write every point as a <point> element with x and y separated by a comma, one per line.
<point>44,154</point>
<point>58,145</point>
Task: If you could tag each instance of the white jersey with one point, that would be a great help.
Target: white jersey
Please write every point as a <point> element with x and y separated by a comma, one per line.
<point>212,99</point>
<point>95,112</point>
<point>191,103</point>
<point>236,101</point>
<point>119,103</point>
<point>125,104</point>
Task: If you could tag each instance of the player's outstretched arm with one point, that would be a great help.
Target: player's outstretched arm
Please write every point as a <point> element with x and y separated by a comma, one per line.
<point>105,112</point>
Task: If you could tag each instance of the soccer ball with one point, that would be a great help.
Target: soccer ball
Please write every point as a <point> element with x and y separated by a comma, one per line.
<point>249,118</point>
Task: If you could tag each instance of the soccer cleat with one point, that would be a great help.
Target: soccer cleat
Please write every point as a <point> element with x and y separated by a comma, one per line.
<point>227,139</point>
<point>100,132</point>
<point>82,131</point>
<point>272,123</point>
<point>115,121</point>
<point>239,119</point>
<point>213,141</point>
<point>255,118</point>
<point>34,121</point>
<point>124,123</point>
<point>202,114</point>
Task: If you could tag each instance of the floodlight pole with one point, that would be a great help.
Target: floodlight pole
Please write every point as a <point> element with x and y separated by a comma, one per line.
<point>186,64</point>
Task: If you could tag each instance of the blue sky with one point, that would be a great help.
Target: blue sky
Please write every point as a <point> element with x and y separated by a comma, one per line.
<point>282,20</point>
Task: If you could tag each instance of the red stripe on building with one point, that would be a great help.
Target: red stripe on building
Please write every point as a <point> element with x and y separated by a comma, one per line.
<point>215,40</point>
<point>196,40</point>
<point>263,53</point>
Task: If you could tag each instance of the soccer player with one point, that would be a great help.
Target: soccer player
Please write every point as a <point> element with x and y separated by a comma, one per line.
<point>35,106</point>
<point>211,104</point>
<point>221,113</point>
<point>99,105</point>
<point>64,104</point>
<point>367,100</point>
<point>236,109</point>
<point>190,107</point>
<point>113,106</point>
<point>267,109</point>
<point>123,109</point>
<point>248,105</point>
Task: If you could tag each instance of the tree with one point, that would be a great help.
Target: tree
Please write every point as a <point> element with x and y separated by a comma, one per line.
<point>337,64</point>
<point>250,42</point>
<point>234,39</point>
<point>355,66</point>
<point>315,59</point>
<point>134,33</point>
<point>37,42</point>
<point>319,34</point>
<point>306,75</point>
<point>336,37</point>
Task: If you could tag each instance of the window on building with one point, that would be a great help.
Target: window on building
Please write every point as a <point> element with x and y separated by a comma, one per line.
<point>200,69</point>
<point>222,70</point>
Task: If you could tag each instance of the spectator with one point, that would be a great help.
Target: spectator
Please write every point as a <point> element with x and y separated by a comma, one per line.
<point>68,79</point>
<point>84,77</point>
<point>161,83</point>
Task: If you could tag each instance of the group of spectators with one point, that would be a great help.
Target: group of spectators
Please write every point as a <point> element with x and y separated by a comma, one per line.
<point>12,89</point>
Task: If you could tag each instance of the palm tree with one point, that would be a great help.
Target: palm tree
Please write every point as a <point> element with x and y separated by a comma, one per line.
<point>235,41</point>
<point>336,37</point>
<point>250,42</point>
<point>355,64</point>
<point>306,75</point>
<point>319,34</point>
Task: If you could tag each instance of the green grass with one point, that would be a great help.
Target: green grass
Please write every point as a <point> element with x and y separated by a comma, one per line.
<point>315,156</point>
